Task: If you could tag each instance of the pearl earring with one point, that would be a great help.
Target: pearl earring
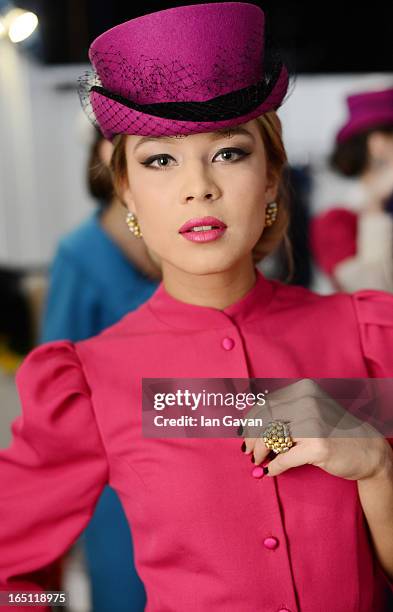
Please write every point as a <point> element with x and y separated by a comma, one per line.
<point>133,225</point>
<point>271,213</point>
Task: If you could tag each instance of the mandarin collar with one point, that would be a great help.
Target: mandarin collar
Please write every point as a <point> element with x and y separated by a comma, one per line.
<point>183,315</point>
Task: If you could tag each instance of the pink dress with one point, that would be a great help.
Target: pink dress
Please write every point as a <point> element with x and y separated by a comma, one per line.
<point>207,535</point>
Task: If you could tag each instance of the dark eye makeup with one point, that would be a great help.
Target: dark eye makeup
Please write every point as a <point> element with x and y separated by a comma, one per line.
<point>147,163</point>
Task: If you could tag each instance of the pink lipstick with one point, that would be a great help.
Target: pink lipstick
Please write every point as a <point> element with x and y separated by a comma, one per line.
<point>204,229</point>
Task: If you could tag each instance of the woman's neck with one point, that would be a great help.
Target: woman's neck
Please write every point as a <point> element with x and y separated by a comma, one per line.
<point>216,290</point>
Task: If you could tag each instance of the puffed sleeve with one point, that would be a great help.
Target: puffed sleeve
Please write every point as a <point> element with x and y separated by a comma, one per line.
<point>53,472</point>
<point>374,312</point>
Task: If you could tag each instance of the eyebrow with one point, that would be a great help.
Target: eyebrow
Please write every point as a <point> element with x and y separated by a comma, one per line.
<point>216,135</point>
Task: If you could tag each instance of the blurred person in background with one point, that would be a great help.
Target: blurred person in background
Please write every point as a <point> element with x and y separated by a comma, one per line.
<point>98,275</point>
<point>355,249</point>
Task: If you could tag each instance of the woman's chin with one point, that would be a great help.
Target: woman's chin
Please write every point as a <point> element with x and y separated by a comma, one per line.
<point>203,264</point>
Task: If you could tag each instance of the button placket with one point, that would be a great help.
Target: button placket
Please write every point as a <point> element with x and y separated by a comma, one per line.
<point>258,472</point>
<point>230,342</point>
<point>227,343</point>
<point>272,542</point>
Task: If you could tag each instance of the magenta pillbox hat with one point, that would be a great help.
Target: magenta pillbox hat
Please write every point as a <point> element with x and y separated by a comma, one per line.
<point>367,110</point>
<point>183,70</point>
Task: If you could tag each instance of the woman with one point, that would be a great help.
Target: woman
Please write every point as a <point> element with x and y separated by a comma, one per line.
<point>208,532</point>
<point>356,249</point>
<point>96,277</point>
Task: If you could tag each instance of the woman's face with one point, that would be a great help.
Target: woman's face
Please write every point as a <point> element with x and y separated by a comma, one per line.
<point>176,179</point>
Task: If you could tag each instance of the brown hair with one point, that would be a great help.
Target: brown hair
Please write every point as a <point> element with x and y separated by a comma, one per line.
<point>350,157</point>
<point>99,177</point>
<point>271,131</point>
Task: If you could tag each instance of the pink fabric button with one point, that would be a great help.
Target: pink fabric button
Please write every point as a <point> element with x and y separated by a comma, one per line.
<point>284,610</point>
<point>257,472</point>
<point>271,543</point>
<point>228,344</point>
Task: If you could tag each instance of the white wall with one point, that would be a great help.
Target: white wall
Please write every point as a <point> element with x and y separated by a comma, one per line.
<point>43,150</point>
<point>42,158</point>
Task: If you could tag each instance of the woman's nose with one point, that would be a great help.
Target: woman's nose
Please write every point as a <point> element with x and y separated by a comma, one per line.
<point>200,185</point>
<point>206,196</point>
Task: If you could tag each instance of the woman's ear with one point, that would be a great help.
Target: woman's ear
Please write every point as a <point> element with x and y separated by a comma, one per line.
<point>271,190</point>
<point>127,195</point>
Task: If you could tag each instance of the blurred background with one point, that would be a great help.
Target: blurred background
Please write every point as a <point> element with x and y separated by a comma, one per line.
<point>45,142</point>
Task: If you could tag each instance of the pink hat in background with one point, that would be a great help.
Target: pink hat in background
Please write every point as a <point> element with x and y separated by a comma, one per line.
<point>367,110</point>
<point>183,70</point>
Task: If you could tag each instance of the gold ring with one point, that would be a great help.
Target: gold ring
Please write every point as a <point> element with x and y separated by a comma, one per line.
<point>277,437</point>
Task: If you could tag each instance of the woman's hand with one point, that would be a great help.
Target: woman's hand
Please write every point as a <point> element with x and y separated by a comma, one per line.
<point>324,434</point>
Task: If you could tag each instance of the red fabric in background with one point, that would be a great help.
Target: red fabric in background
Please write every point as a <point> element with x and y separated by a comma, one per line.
<point>333,237</point>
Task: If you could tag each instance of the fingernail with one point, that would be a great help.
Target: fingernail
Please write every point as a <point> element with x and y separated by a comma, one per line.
<point>240,430</point>
<point>243,447</point>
